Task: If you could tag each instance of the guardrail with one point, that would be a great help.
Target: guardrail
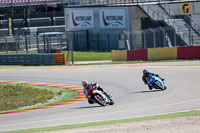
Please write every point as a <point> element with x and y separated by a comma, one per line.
<point>156,54</point>
<point>80,3</point>
<point>33,59</point>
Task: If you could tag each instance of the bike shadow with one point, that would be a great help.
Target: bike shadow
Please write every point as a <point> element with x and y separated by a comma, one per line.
<point>87,107</point>
<point>150,91</point>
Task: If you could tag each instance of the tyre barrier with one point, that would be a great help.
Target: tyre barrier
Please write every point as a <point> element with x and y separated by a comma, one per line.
<point>155,54</point>
<point>33,59</point>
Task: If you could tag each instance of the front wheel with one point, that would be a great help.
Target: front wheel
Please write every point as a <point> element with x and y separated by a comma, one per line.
<point>99,100</point>
<point>158,84</point>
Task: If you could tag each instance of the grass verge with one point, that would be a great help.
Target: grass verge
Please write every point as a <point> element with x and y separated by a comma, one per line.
<point>15,96</point>
<point>79,56</point>
<point>90,56</point>
<point>173,115</point>
<point>12,94</point>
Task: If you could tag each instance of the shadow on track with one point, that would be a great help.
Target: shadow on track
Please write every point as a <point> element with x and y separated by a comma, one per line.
<point>147,91</point>
<point>87,107</point>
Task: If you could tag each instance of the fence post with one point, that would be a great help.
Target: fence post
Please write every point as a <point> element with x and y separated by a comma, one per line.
<point>37,43</point>
<point>87,40</point>
<point>164,37</point>
<point>72,51</point>
<point>175,39</point>
<point>145,45</point>
<point>48,44</point>
<point>134,44</point>
<point>98,41</point>
<point>6,45</point>
<point>154,38</point>
<point>26,42</point>
<point>108,42</point>
<point>60,43</point>
<point>16,44</point>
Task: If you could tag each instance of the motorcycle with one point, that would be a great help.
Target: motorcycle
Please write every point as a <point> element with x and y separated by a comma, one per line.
<point>99,97</point>
<point>156,82</point>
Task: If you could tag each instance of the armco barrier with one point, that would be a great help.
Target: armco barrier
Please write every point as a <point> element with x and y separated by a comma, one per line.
<point>192,52</point>
<point>31,59</point>
<point>162,53</point>
<point>137,55</point>
<point>119,55</point>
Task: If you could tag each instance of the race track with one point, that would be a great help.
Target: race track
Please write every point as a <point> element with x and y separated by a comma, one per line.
<point>122,81</point>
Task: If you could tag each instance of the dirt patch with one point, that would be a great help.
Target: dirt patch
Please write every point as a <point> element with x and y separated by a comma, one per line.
<point>171,125</point>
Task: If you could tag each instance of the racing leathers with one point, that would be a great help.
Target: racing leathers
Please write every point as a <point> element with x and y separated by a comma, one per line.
<point>144,78</point>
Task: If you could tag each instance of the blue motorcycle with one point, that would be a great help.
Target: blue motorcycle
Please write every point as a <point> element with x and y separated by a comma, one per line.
<point>155,82</point>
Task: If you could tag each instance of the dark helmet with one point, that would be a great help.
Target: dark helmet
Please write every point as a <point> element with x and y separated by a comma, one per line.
<point>145,72</point>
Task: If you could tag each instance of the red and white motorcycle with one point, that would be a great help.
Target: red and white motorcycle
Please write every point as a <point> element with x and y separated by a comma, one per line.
<point>99,97</point>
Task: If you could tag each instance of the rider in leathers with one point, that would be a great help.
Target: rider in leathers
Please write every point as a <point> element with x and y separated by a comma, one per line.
<point>146,75</point>
<point>86,89</point>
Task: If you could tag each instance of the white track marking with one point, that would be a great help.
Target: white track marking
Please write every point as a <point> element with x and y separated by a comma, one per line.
<point>179,103</point>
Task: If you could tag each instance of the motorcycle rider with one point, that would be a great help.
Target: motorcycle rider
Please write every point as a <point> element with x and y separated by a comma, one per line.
<point>86,89</point>
<point>146,75</point>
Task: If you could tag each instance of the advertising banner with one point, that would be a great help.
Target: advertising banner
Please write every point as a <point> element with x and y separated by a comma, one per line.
<point>112,18</point>
<point>81,19</point>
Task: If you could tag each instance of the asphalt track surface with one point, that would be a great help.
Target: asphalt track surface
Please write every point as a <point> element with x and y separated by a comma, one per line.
<point>123,81</point>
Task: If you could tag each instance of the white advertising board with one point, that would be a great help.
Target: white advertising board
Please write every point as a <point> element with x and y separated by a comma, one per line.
<point>112,18</point>
<point>81,19</point>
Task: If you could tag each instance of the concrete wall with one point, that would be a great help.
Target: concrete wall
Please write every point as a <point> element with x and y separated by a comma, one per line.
<point>196,12</point>
<point>119,55</point>
<point>136,14</point>
<point>156,54</point>
<point>135,17</point>
<point>162,53</point>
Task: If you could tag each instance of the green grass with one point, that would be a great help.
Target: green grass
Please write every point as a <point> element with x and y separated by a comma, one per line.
<point>174,115</point>
<point>90,56</point>
<point>20,52</point>
<point>20,97</point>
<point>78,56</point>
<point>15,96</point>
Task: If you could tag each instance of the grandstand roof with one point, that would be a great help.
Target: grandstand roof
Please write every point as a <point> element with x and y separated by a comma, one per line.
<point>22,1</point>
<point>9,3</point>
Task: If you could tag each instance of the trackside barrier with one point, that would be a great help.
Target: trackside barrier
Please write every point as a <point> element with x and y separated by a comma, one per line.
<point>137,55</point>
<point>30,59</point>
<point>192,52</point>
<point>60,59</point>
<point>153,54</point>
<point>119,55</point>
<point>162,53</point>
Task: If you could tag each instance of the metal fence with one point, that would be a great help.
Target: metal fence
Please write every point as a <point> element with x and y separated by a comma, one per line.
<point>12,3</point>
<point>86,41</point>
<point>50,42</point>
<point>154,38</point>
<point>119,2</point>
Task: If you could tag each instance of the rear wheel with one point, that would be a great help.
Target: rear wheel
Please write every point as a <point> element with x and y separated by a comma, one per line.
<point>111,102</point>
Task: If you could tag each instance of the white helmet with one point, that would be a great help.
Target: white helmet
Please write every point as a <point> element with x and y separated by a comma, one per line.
<point>85,83</point>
